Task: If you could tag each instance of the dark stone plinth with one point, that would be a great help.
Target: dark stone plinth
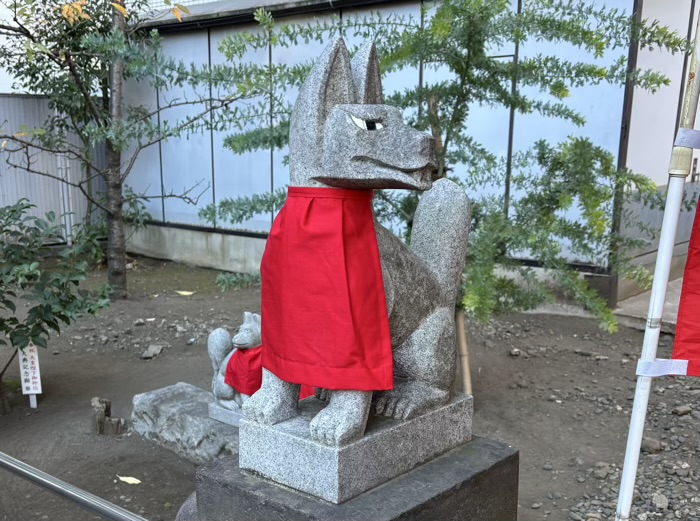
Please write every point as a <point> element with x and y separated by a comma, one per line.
<point>477,481</point>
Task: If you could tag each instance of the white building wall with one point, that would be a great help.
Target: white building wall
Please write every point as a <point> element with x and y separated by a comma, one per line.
<point>653,120</point>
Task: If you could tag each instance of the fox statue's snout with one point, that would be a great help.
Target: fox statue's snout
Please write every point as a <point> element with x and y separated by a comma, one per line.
<point>370,146</point>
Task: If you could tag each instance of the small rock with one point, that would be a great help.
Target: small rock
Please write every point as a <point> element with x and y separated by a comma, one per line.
<point>56,352</point>
<point>104,340</point>
<point>575,517</point>
<point>547,466</point>
<point>152,351</point>
<point>535,506</point>
<point>515,352</point>
<point>601,473</point>
<point>651,445</point>
<point>682,410</point>
<point>139,322</point>
<point>660,501</point>
<point>191,341</point>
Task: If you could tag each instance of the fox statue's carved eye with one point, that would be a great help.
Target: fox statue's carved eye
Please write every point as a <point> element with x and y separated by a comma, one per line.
<point>365,124</point>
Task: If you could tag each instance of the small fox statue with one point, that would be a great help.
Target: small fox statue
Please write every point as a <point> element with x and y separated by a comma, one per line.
<point>343,137</point>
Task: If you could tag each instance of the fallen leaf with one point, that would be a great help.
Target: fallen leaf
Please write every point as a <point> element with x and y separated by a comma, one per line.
<point>185,293</point>
<point>129,480</point>
<point>177,14</point>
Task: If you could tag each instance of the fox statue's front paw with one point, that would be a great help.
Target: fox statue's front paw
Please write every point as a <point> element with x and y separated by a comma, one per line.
<point>409,399</point>
<point>275,402</point>
<point>343,420</point>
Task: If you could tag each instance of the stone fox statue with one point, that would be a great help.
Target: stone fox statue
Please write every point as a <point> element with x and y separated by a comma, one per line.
<point>345,142</point>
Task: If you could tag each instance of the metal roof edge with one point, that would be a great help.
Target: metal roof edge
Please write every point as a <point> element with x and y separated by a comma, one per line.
<point>234,12</point>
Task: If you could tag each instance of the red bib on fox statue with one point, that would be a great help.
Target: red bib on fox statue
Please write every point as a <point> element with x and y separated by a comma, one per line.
<point>325,321</point>
<point>244,372</point>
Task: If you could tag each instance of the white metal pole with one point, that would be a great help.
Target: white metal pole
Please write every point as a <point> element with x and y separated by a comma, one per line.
<point>651,338</point>
<point>681,160</point>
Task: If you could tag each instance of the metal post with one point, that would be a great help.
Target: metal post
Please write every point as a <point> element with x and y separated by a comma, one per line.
<point>681,162</point>
<point>84,499</point>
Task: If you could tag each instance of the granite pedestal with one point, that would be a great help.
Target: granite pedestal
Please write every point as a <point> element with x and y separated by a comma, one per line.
<point>285,453</point>
<point>477,481</point>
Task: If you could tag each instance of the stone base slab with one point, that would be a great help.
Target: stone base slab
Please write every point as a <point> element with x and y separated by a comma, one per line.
<point>177,417</point>
<point>477,481</point>
<point>286,454</point>
<point>224,415</point>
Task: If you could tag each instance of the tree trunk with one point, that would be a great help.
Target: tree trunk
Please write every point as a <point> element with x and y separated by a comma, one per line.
<point>116,240</point>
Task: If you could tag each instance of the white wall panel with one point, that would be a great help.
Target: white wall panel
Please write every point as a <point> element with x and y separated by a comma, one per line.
<point>601,105</point>
<point>653,122</point>
<point>145,174</point>
<point>186,161</point>
<point>237,175</point>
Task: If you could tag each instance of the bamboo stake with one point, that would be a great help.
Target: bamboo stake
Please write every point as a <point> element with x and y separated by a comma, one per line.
<point>463,352</point>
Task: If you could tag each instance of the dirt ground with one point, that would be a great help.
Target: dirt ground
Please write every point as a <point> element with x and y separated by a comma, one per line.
<point>557,388</point>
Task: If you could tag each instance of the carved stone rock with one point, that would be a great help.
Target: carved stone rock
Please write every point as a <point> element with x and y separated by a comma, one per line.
<point>342,136</point>
<point>221,347</point>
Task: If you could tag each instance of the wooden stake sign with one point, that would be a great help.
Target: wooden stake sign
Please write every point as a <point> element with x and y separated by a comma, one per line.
<point>29,373</point>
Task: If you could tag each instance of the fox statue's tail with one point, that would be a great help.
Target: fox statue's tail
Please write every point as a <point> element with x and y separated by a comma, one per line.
<point>440,233</point>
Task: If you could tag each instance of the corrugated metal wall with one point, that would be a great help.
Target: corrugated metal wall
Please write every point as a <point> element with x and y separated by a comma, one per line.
<point>47,194</point>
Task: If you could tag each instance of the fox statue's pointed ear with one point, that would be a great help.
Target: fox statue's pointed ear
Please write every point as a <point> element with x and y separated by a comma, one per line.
<point>329,83</point>
<point>367,75</point>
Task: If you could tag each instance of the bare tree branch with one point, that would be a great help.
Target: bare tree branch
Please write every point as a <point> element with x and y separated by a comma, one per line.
<point>184,196</point>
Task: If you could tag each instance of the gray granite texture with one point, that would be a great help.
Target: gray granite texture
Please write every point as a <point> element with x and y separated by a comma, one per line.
<point>342,136</point>
<point>287,454</point>
<point>477,481</point>
<point>188,510</point>
<point>177,417</point>
<point>221,347</point>
<point>224,415</point>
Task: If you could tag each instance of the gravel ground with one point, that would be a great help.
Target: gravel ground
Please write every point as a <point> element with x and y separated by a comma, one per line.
<point>557,388</point>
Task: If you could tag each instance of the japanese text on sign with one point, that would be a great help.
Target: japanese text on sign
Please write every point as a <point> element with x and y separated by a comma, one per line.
<point>29,370</point>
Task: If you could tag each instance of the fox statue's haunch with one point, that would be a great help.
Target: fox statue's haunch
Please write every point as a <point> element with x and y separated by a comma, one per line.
<point>343,137</point>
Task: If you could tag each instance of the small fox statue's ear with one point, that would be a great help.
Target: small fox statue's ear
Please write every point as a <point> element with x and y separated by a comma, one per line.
<point>367,75</point>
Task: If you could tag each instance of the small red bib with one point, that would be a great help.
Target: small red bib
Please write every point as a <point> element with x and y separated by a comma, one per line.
<point>244,372</point>
<point>325,321</point>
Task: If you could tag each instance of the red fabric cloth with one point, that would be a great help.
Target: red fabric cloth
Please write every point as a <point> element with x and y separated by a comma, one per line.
<point>244,372</point>
<point>325,321</point>
<point>687,343</point>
